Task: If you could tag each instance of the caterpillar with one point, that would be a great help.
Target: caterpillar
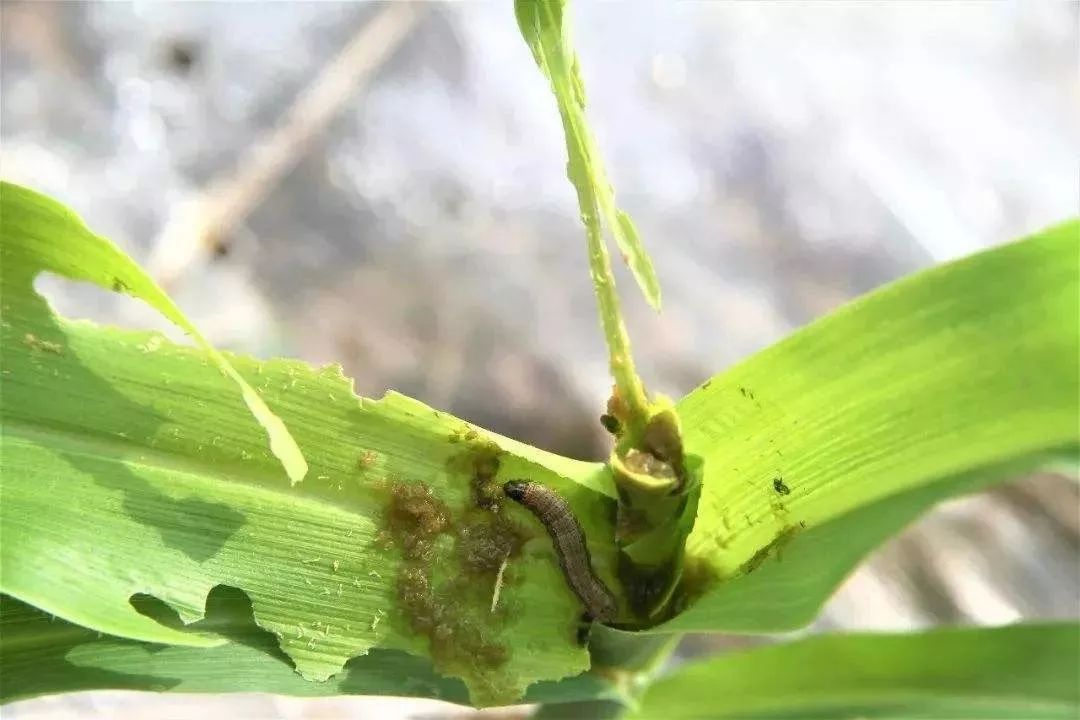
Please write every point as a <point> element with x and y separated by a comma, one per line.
<point>569,541</point>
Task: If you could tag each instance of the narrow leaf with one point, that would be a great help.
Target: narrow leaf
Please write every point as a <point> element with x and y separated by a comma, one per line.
<point>786,584</point>
<point>1022,671</point>
<point>41,655</point>
<point>818,448</point>
<point>545,25</point>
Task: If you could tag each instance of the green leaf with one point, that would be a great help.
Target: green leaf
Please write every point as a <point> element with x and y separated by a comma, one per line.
<point>546,28</point>
<point>785,584</point>
<point>820,447</point>
<point>40,655</point>
<point>1022,671</point>
<point>127,467</point>
<point>51,237</point>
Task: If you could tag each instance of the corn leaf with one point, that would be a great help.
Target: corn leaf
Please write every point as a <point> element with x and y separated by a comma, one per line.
<point>41,654</point>
<point>819,448</point>
<point>35,219</point>
<point>128,467</point>
<point>1021,671</point>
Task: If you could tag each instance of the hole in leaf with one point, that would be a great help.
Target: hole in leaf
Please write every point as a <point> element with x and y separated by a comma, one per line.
<point>228,614</point>
<point>87,301</point>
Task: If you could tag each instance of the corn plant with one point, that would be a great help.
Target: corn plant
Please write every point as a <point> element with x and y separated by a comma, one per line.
<point>178,519</point>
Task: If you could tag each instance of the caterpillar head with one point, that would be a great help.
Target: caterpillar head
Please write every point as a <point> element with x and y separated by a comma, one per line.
<point>515,489</point>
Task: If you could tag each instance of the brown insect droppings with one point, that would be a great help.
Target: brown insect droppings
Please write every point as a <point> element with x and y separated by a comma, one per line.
<point>481,461</point>
<point>484,545</point>
<point>367,459</point>
<point>457,640</point>
<point>414,518</point>
<point>776,547</point>
<point>443,594</point>
<point>415,598</point>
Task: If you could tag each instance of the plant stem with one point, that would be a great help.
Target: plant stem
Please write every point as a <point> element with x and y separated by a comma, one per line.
<point>627,382</point>
<point>630,660</point>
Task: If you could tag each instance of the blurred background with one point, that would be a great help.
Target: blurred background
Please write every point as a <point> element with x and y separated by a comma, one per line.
<point>382,185</point>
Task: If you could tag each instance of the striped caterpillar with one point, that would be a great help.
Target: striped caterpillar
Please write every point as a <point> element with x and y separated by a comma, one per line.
<point>569,540</point>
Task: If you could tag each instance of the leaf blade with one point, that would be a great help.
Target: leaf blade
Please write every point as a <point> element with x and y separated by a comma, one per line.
<point>1020,671</point>
<point>40,234</point>
<point>128,468</point>
<point>941,374</point>
<point>41,655</point>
